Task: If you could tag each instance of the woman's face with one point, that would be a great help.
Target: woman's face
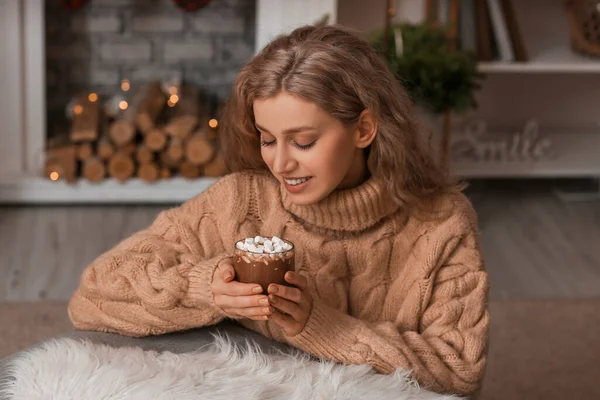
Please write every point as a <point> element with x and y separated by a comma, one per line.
<point>310,152</point>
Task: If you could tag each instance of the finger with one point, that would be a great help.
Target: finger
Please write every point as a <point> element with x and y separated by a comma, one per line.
<point>289,293</point>
<point>224,301</point>
<point>255,313</point>
<point>232,312</point>
<point>296,279</point>
<point>288,307</point>
<point>235,288</point>
<point>227,271</point>
<point>288,324</point>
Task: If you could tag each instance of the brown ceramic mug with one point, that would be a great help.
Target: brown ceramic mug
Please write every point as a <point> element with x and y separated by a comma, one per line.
<point>263,268</point>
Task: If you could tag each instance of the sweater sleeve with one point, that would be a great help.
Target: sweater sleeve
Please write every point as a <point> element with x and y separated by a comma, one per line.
<point>446,353</point>
<point>158,280</point>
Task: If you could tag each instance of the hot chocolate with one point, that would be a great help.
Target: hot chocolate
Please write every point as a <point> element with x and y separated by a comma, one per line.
<point>263,260</point>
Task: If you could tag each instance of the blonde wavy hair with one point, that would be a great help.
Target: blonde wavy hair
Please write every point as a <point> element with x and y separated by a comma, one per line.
<point>334,68</point>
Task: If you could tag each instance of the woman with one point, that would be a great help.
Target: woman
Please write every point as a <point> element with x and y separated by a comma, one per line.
<point>322,143</point>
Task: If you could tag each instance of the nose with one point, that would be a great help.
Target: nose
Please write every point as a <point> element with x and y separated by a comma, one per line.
<point>283,162</point>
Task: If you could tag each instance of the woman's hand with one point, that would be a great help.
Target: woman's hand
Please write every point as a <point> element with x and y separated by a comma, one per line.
<point>238,299</point>
<point>292,304</point>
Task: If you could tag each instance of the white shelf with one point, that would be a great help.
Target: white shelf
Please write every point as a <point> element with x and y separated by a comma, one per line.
<point>554,60</point>
<point>576,155</point>
<point>35,190</point>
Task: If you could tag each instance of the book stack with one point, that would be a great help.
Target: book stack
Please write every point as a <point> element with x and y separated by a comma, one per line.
<point>487,27</point>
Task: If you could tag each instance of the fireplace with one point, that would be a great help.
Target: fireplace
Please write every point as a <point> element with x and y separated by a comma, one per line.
<point>62,60</point>
<point>133,88</point>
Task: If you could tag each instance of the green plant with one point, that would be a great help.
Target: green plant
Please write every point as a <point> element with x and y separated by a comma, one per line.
<point>439,78</point>
<point>436,76</point>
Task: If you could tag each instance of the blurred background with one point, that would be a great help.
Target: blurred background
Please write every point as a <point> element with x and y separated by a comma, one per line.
<point>111,109</point>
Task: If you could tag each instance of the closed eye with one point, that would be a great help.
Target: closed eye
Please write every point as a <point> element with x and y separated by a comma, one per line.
<point>305,146</point>
<point>265,144</point>
<point>298,146</point>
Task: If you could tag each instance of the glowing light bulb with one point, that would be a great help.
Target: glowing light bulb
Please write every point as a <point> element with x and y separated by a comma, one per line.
<point>78,109</point>
<point>125,85</point>
<point>173,90</point>
<point>54,175</point>
<point>174,98</point>
<point>123,105</point>
<point>93,97</point>
<point>170,103</point>
<point>213,123</point>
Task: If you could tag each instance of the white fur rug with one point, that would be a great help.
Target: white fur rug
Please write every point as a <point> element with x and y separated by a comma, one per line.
<point>74,369</point>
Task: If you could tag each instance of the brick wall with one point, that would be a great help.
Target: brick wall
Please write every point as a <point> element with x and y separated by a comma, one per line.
<point>95,47</point>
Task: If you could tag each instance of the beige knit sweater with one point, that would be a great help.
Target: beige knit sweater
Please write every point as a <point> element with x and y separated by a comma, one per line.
<point>389,289</point>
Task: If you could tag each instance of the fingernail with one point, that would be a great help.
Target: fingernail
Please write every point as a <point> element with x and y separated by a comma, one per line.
<point>264,302</point>
<point>272,299</point>
<point>288,276</point>
<point>229,277</point>
<point>257,289</point>
<point>273,289</point>
<point>266,310</point>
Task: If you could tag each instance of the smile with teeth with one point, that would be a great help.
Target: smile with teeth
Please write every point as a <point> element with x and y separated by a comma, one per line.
<point>295,182</point>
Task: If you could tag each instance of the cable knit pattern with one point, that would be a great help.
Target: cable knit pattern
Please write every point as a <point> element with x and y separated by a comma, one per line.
<point>390,289</point>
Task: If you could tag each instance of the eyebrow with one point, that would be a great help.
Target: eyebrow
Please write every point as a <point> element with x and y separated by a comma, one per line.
<point>290,130</point>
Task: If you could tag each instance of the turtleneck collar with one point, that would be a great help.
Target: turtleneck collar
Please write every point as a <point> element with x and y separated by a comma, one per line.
<point>353,209</point>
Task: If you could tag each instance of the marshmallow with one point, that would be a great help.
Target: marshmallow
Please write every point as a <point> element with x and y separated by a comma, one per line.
<point>263,245</point>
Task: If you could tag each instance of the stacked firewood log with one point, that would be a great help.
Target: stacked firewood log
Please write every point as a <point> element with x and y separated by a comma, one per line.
<point>156,135</point>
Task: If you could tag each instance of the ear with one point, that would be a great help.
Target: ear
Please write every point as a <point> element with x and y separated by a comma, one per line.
<point>366,129</point>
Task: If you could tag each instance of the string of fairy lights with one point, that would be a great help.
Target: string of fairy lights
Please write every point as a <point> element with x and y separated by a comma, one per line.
<point>119,100</point>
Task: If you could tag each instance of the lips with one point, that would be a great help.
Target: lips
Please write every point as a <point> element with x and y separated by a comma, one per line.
<point>296,186</point>
<point>296,181</point>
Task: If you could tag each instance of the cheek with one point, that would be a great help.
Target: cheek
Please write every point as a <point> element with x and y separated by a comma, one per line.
<point>339,155</point>
<point>266,156</point>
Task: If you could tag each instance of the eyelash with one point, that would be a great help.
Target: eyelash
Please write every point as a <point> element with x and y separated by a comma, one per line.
<point>298,146</point>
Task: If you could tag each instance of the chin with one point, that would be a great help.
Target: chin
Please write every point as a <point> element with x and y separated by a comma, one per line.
<point>303,200</point>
